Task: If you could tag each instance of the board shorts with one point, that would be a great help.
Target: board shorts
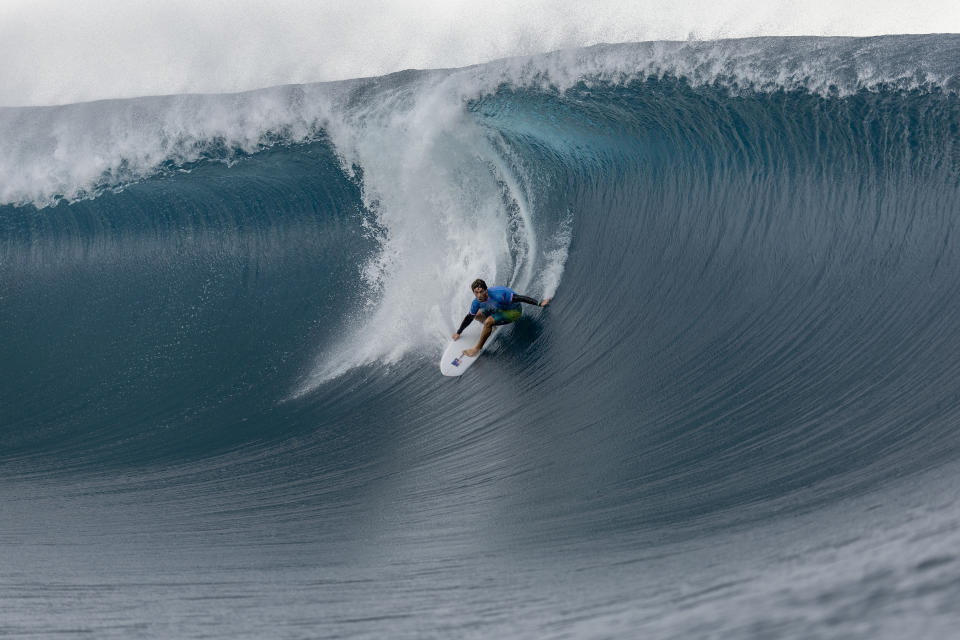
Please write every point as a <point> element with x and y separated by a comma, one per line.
<point>506,316</point>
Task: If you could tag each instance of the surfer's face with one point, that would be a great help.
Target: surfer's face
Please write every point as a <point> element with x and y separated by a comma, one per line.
<point>481,294</point>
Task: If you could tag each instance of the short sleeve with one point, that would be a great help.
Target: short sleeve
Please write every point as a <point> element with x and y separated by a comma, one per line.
<point>474,307</point>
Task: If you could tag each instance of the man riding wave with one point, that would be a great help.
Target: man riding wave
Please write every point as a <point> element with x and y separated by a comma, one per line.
<point>493,307</point>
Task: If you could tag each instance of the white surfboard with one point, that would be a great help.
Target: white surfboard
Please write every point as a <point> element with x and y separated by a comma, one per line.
<point>453,362</point>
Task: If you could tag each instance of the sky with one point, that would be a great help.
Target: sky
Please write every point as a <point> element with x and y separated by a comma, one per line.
<point>58,52</point>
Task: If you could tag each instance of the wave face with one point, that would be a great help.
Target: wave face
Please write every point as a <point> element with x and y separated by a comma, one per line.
<point>222,315</point>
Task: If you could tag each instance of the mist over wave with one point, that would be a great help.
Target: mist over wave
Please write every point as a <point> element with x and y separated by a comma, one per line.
<point>223,313</point>
<point>73,151</point>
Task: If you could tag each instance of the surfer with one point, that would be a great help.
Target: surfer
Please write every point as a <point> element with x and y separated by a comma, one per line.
<point>493,307</point>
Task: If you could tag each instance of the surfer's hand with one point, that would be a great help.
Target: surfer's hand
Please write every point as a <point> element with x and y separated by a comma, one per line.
<point>456,336</point>
<point>545,302</point>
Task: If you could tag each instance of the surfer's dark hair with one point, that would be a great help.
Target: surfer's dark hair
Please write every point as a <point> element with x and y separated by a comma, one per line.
<point>478,284</point>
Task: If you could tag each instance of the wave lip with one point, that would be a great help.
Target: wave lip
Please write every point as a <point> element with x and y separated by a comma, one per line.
<point>81,150</point>
<point>77,151</point>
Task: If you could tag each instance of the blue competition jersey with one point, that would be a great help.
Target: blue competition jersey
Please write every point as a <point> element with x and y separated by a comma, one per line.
<point>499,299</point>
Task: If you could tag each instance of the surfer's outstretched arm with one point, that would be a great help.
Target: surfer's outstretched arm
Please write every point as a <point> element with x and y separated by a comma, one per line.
<point>463,325</point>
<point>540,303</point>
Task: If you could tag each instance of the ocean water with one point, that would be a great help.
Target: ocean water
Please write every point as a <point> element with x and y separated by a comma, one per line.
<point>221,413</point>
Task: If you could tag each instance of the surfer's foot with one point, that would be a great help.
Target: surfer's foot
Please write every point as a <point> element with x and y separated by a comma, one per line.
<point>545,302</point>
<point>472,351</point>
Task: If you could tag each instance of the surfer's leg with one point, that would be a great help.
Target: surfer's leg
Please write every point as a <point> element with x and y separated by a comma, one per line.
<point>484,334</point>
<point>487,330</point>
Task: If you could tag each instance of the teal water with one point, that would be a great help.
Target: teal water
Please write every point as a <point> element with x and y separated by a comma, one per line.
<point>221,413</point>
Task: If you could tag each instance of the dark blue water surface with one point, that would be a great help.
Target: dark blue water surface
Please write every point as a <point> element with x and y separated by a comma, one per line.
<point>739,416</point>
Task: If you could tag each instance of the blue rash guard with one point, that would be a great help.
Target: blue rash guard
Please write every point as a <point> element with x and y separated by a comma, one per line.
<point>498,299</point>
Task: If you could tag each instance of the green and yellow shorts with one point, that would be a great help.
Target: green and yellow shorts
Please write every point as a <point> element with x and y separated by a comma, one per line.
<point>506,316</point>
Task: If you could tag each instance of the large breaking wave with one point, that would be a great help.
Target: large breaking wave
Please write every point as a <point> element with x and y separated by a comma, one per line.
<point>752,245</point>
